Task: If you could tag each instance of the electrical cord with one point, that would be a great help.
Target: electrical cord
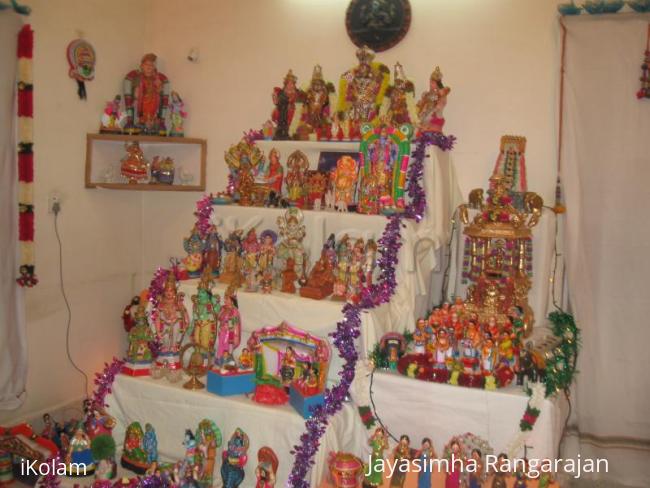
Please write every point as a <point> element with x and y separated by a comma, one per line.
<point>374,409</point>
<point>56,208</point>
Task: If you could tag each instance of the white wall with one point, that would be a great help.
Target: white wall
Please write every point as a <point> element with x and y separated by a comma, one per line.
<point>499,57</point>
<point>101,230</point>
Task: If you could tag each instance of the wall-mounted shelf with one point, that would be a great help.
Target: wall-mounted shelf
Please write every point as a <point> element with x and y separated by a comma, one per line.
<point>104,153</point>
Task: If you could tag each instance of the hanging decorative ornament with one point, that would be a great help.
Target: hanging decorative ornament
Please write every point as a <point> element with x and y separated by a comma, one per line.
<point>81,58</point>
<point>644,91</point>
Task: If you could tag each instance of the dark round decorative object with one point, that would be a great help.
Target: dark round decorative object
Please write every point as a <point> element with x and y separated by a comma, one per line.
<point>378,24</point>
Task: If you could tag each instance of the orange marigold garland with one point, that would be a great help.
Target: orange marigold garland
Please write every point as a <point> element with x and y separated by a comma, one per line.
<point>25,114</point>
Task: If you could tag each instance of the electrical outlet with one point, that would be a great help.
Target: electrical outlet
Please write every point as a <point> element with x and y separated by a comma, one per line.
<point>54,202</point>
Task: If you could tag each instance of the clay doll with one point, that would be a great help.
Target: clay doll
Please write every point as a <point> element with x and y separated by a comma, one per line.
<point>289,277</point>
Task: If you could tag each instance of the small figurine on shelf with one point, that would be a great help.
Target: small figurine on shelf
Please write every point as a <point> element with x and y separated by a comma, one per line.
<point>266,468</point>
<point>208,437</point>
<point>454,451</point>
<point>134,457</point>
<point>320,282</point>
<point>205,312</point>
<point>177,115</point>
<point>344,179</point>
<point>399,103</point>
<point>361,91</point>
<point>402,454</point>
<point>150,444</point>
<point>194,246</point>
<point>139,354</point>
<point>265,260</point>
<point>378,444</point>
<point>425,454</point>
<point>420,337</point>
<point>345,469</point>
<point>128,315</point>
<point>229,334</point>
<point>162,170</point>
<point>342,275</point>
<point>284,100</point>
<point>501,473</point>
<point>273,173</point>
<point>233,262</point>
<point>235,457</point>
<point>370,262</point>
<point>212,252</point>
<point>134,166</point>
<point>146,97</point>
<point>79,457</point>
<point>316,185</point>
<point>289,277</point>
<point>432,104</point>
<point>170,321</point>
<point>246,360</point>
<point>292,231</point>
<point>113,118</point>
<point>315,120</point>
<point>251,251</point>
<point>488,356</point>
<point>297,165</point>
<point>288,366</point>
<point>243,160</point>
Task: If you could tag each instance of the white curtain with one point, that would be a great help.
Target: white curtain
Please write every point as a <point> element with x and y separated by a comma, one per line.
<point>606,175</point>
<point>13,349</point>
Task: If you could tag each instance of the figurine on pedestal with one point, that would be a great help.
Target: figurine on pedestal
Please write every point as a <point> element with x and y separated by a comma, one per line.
<point>194,246</point>
<point>146,97</point>
<point>208,437</point>
<point>297,165</point>
<point>284,100</point>
<point>344,180</point>
<point>212,253</point>
<point>170,321</point>
<point>177,115</point>
<point>432,104</point>
<point>361,92</point>
<point>233,261</point>
<point>378,444</point>
<point>265,261</point>
<point>266,468</point>
<point>139,354</point>
<point>251,251</point>
<point>229,334</point>
<point>134,166</point>
<point>235,457</point>
<point>292,231</point>
<point>315,122</point>
<point>79,457</point>
<point>205,312</point>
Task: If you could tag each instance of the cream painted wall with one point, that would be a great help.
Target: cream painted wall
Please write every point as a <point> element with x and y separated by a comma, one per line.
<point>101,230</point>
<point>499,57</point>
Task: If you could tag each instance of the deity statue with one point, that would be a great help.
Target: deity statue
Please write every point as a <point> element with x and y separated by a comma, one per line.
<point>292,231</point>
<point>212,252</point>
<point>273,173</point>
<point>134,457</point>
<point>113,118</point>
<point>150,444</point>
<point>266,469</point>
<point>320,282</point>
<point>378,444</point>
<point>251,251</point>
<point>208,438</point>
<point>399,103</point>
<point>361,92</point>
<point>289,276</point>
<point>170,320</point>
<point>297,165</point>
<point>233,261</point>
<point>315,122</point>
<point>229,334</point>
<point>370,262</point>
<point>344,179</point>
<point>139,338</point>
<point>177,115</point>
<point>205,312</point>
<point>316,186</point>
<point>342,274</point>
<point>284,100</point>
<point>243,160</point>
<point>235,457</point>
<point>432,104</point>
<point>194,246</point>
<point>134,166</point>
<point>355,271</point>
<point>265,260</point>
<point>146,97</point>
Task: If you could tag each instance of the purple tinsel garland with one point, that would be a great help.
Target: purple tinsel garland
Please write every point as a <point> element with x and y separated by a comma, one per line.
<point>51,480</point>
<point>203,214</point>
<point>348,329</point>
<point>104,382</point>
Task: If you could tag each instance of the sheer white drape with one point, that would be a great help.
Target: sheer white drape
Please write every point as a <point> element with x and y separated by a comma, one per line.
<point>606,175</point>
<point>13,349</point>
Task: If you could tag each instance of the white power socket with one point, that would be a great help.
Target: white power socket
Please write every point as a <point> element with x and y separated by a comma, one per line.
<point>54,200</point>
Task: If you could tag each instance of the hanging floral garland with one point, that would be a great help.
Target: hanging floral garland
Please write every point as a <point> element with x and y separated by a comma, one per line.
<point>25,114</point>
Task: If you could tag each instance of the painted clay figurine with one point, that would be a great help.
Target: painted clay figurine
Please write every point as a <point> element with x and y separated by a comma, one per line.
<point>113,118</point>
<point>378,444</point>
<point>235,457</point>
<point>233,261</point>
<point>289,277</point>
<point>251,251</point>
<point>399,103</point>
<point>208,438</point>
<point>177,115</point>
<point>134,166</point>
<point>212,252</point>
<point>79,458</point>
<point>134,457</point>
<point>284,100</point>
<point>292,231</point>
<point>194,246</point>
<point>266,469</point>
<point>320,282</point>
<point>205,312</point>
<point>315,122</point>
<point>401,454</point>
<point>297,165</point>
<point>265,260</point>
<point>426,454</point>
<point>432,104</point>
<point>170,320</point>
<point>229,334</point>
<point>344,180</point>
<point>140,336</point>
<point>150,444</point>
<point>146,98</point>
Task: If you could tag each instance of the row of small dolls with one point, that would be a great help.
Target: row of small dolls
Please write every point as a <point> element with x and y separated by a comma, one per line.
<point>463,464</point>
<point>366,93</point>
